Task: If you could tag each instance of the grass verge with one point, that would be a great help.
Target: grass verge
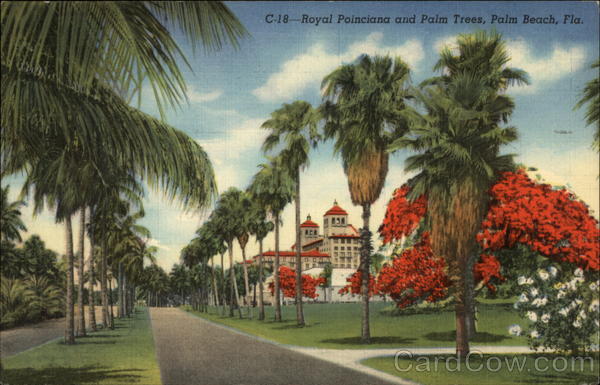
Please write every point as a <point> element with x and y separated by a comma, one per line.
<point>337,326</point>
<point>546,369</point>
<point>124,355</point>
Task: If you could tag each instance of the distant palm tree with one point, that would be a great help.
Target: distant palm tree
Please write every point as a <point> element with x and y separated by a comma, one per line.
<point>10,218</point>
<point>273,188</point>
<point>296,126</point>
<point>229,222</point>
<point>326,274</point>
<point>260,228</point>
<point>591,97</point>
<point>364,111</point>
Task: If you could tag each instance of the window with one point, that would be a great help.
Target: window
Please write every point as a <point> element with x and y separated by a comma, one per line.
<point>343,220</point>
<point>325,222</point>
<point>335,247</point>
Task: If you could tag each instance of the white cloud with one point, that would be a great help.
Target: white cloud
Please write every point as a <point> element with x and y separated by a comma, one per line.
<point>307,69</point>
<point>201,97</point>
<point>446,41</point>
<point>559,63</point>
<point>542,69</point>
<point>226,152</point>
<point>156,243</point>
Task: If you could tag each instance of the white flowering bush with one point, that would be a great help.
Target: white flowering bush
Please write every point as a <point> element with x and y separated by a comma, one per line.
<point>561,309</point>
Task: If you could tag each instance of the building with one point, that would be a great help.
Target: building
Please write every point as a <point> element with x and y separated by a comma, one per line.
<point>338,244</point>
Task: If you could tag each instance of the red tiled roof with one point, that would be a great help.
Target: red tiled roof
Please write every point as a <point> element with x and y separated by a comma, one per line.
<point>309,223</point>
<point>336,210</point>
<point>293,247</point>
<point>353,228</point>
<point>310,254</point>
<point>248,262</point>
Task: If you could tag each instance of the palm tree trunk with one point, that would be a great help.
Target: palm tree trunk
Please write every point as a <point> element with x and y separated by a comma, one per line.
<point>237,296</point>
<point>276,272</point>
<point>299,311</point>
<point>91,277</point>
<point>110,304</point>
<point>365,256</point>
<point>470,300</point>
<point>80,273</point>
<point>261,304</point>
<point>214,282</point>
<point>120,312</point>
<point>462,338</point>
<point>103,288</point>
<point>70,310</point>
<point>223,299</point>
<point>246,283</point>
<point>233,289</point>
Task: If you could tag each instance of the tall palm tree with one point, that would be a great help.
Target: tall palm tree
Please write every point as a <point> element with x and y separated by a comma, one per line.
<point>364,111</point>
<point>11,224</point>
<point>591,97</point>
<point>296,126</point>
<point>273,187</point>
<point>458,144</point>
<point>260,227</point>
<point>481,55</point>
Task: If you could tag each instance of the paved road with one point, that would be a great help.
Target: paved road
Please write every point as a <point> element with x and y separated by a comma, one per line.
<point>16,340</point>
<point>19,339</point>
<point>193,351</point>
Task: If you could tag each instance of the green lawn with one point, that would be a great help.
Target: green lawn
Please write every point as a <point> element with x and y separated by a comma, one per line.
<point>337,326</point>
<point>514,369</point>
<point>122,356</point>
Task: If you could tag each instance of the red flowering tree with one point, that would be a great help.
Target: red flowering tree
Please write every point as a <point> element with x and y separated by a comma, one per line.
<point>354,282</point>
<point>287,282</point>
<point>550,221</point>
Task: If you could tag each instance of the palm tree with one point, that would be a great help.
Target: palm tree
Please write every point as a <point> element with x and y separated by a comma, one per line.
<point>273,188</point>
<point>364,111</point>
<point>458,144</point>
<point>326,274</point>
<point>229,223</point>
<point>260,228</point>
<point>296,125</point>
<point>92,49</point>
<point>10,218</point>
<point>591,97</point>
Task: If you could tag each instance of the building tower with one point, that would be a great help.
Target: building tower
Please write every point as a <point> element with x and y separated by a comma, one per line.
<point>335,220</point>
<point>309,231</point>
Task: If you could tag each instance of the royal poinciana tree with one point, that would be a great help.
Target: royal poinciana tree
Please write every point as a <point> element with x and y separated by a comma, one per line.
<point>551,222</point>
<point>287,281</point>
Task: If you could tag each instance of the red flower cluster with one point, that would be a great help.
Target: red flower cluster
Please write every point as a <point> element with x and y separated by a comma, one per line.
<point>486,269</point>
<point>402,217</point>
<point>551,222</point>
<point>415,274</point>
<point>287,282</point>
<point>354,282</point>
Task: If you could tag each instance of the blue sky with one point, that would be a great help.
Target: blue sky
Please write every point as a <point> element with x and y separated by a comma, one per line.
<point>232,92</point>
